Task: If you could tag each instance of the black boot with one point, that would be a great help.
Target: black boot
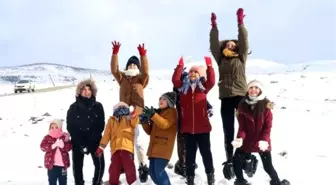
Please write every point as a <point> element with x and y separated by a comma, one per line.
<point>143,173</point>
<point>241,182</point>
<point>190,180</point>
<point>80,183</point>
<point>211,178</point>
<point>180,169</point>
<point>228,171</point>
<point>250,165</point>
<point>283,182</point>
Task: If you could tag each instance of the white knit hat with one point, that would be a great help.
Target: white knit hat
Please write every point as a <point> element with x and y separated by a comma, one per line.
<point>254,83</point>
<point>58,122</point>
<point>120,104</point>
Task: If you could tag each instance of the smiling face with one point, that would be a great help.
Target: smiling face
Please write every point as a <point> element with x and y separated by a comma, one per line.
<point>163,103</point>
<point>254,91</point>
<point>193,75</point>
<point>230,45</point>
<point>132,66</point>
<point>86,92</point>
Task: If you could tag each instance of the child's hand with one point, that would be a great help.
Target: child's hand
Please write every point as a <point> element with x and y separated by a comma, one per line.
<point>53,146</point>
<point>263,145</point>
<point>60,143</point>
<point>99,152</point>
<point>237,143</point>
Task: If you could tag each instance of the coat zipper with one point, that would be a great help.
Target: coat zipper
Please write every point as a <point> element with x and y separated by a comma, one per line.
<point>193,113</point>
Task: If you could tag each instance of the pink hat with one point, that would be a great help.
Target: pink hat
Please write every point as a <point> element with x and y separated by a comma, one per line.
<point>199,69</point>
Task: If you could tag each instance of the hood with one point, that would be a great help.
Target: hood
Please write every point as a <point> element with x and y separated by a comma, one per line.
<point>83,83</point>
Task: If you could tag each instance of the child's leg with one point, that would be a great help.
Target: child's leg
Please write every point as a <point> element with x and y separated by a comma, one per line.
<point>181,150</point>
<point>114,170</point>
<point>191,149</point>
<point>203,141</point>
<point>127,160</point>
<point>157,168</point>
<point>62,178</point>
<point>52,176</point>
<point>238,161</point>
<point>266,159</point>
<point>139,148</point>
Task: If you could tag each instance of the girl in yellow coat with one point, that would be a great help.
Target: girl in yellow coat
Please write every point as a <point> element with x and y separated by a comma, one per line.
<point>119,131</point>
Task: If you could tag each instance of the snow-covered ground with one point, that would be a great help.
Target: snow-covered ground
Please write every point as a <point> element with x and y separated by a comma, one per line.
<point>303,127</point>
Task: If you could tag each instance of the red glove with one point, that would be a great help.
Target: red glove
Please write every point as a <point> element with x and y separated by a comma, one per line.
<point>213,20</point>
<point>240,16</point>
<point>142,50</point>
<point>115,47</point>
<point>99,151</point>
<point>208,61</point>
<point>181,63</point>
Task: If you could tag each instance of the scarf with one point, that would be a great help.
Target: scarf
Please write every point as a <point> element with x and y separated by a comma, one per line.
<point>187,83</point>
<point>229,53</point>
<point>56,133</point>
<point>252,100</point>
<point>132,72</point>
<point>121,112</point>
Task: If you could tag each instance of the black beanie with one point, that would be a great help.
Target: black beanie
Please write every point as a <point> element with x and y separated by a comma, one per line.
<point>171,98</point>
<point>133,60</point>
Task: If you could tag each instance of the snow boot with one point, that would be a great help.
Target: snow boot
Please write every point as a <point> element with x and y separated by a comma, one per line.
<point>283,182</point>
<point>228,171</point>
<point>143,173</point>
<point>190,180</point>
<point>241,182</point>
<point>250,165</point>
<point>211,178</point>
<point>180,169</point>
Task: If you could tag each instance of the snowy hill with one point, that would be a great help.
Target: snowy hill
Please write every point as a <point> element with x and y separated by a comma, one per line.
<point>41,73</point>
<point>303,123</point>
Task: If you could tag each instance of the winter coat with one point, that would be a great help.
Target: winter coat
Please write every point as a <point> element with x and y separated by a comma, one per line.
<point>120,134</point>
<point>162,131</point>
<point>232,78</point>
<point>50,153</point>
<point>86,119</point>
<point>254,128</point>
<point>193,105</point>
<point>131,88</point>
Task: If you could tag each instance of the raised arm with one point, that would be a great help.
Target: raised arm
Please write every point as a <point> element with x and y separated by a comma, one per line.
<point>242,36</point>
<point>165,121</point>
<point>144,65</point>
<point>211,80</point>
<point>214,40</point>
<point>115,62</point>
<point>176,78</point>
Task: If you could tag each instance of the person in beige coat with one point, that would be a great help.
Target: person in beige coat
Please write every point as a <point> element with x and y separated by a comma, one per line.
<point>132,82</point>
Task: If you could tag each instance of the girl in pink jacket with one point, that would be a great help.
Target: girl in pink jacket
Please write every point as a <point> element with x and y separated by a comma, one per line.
<point>56,146</point>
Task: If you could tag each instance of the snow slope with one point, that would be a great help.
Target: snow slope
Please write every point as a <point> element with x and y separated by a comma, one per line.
<point>303,126</point>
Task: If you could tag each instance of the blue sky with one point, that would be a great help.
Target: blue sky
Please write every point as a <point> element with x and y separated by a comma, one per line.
<point>79,32</point>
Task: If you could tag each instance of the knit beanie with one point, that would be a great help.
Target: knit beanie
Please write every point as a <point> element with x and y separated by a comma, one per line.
<point>199,69</point>
<point>58,122</point>
<point>171,98</point>
<point>133,60</point>
<point>254,83</point>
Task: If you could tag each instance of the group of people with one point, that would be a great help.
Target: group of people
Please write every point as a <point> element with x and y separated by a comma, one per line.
<point>183,113</point>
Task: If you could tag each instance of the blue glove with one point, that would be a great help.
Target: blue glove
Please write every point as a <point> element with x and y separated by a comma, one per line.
<point>143,119</point>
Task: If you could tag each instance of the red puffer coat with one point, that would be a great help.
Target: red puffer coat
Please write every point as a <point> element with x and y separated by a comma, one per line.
<point>50,153</point>
<point>253,129</point>
<point>194,117</point>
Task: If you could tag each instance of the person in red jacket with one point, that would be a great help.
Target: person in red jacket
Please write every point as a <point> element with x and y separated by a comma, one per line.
<point>56,146</point>
<point>255,123</point>
<point>195,124</point>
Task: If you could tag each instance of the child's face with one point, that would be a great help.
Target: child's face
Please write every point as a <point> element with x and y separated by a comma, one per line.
<point>132,66</point>
<point>86,92</point>
<point>163,103</point>
<point>193,75</point>
<point>254,91</point>
<point>230,45</point>
<point>53,126</point>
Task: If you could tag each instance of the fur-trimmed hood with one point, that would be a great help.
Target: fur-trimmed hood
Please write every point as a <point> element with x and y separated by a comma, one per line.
<point>83,83</point>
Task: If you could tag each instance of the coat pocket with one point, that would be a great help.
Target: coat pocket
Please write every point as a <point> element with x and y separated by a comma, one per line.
<point>160,145</point>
